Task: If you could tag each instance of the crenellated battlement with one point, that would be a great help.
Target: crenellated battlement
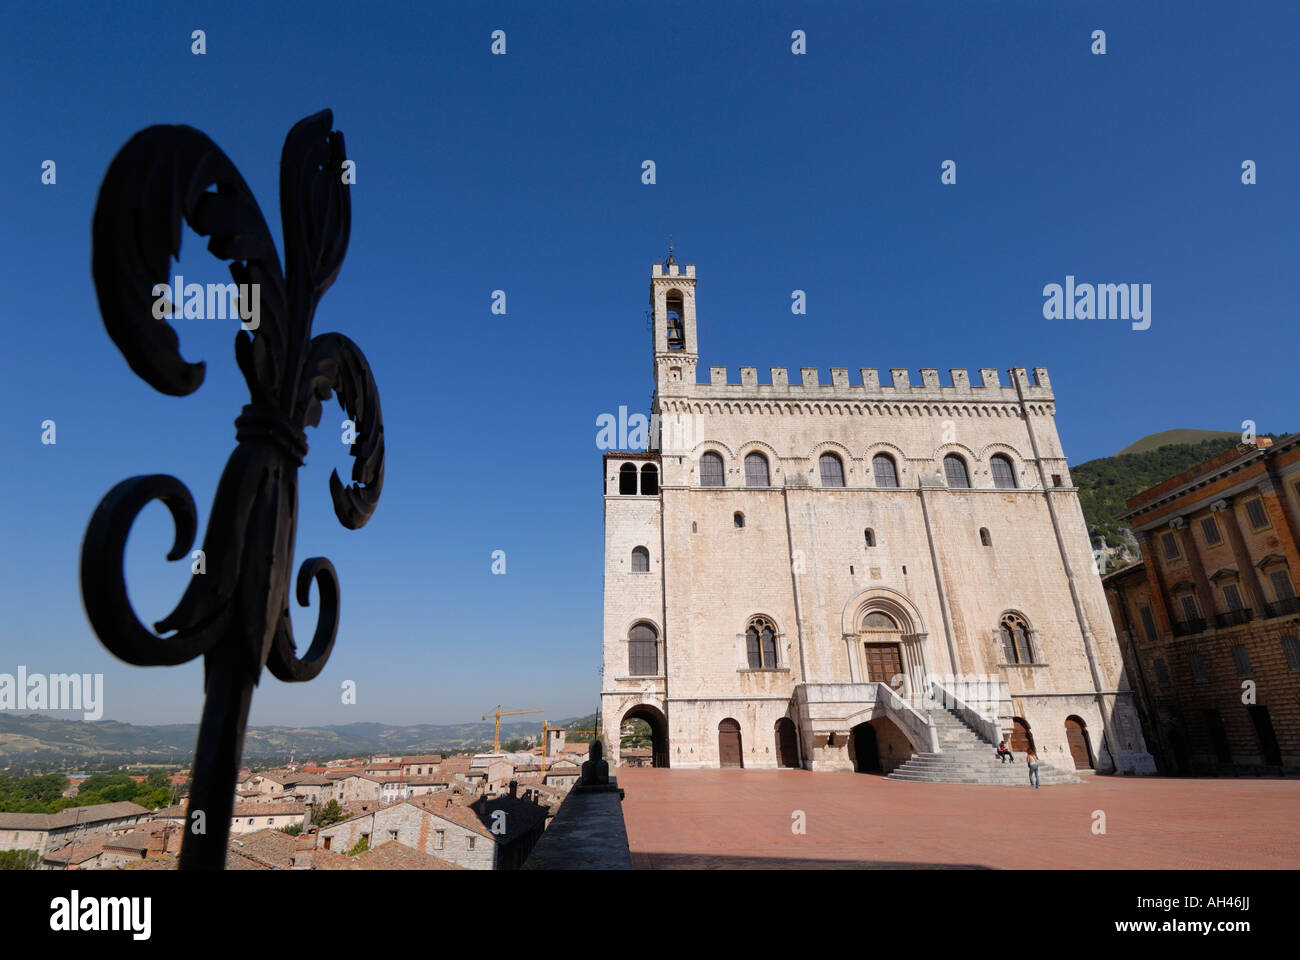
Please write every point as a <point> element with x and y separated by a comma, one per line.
<point>808,384</point>
<point>659,271</point>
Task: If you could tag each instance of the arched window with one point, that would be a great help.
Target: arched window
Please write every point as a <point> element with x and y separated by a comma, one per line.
<point>756,470</point>
<point>627,479</point>
<point>676,328</point>
<point>1004,474</point>
<point>986,539</point>
<point>832,470</point>
<point>954,469</point>
<point>1016,647</point>
<point>711,470</point>
<point>760,644</point>
<point>885,470</point>
<point>643,651</point>
<point>870,536</point>
<point>649,480</point>
<point>738,519</point>
<point>640,560</point>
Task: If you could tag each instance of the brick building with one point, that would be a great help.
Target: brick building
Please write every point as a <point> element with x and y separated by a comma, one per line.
<point>791,567</point>
<point>1209,620</point>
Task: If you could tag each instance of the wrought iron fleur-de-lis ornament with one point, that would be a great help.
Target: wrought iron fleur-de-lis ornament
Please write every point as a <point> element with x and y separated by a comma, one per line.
<point>236,614</point>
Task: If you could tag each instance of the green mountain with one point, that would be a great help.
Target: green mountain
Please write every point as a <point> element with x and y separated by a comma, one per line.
<point>1165,438</point>
<point>36,742</point>
<point>1106,483</point>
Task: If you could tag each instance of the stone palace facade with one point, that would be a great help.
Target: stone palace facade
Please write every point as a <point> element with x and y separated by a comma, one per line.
<point>795,571</point>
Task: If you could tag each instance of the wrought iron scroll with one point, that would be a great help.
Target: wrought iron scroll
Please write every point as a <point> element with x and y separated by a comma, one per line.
<point>235,614</point>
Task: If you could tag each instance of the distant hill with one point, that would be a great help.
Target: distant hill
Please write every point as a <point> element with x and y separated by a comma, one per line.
<point>1165,438</point>
<point>1106,483</point>
<point>582,723</point>
<point>32,742</point>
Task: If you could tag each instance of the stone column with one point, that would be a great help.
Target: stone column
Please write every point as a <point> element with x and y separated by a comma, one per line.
<point>1245,569</point>
<point>1156,581</point>
<point>1209,602</point>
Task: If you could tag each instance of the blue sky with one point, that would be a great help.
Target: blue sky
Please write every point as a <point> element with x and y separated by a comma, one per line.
<point>522,173</point>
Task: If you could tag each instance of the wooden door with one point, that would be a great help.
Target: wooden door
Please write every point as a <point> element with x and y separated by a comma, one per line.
<point>1077,736</point>
<point>1021,739</point>
<point>884,662</point>
<point>729,754</point>
<point>787,751</point>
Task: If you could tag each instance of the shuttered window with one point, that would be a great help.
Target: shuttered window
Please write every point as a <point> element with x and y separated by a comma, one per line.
<point>1241,656</point>
<point>643,651</point>
<point>1232,596</point>
<point>1211,531</point>
<point>1004,476</point>
<point>1148,623</point>
<point>756,474</point>
<point>1282,588</point>
<point>1171,546</point>
<point>832,470</point>
<point>1291,648</point>
<point>1197,666</point>
<point>711,470</point>
<point>885,470</point>
<point>640,560</point>
<point>954,469</point>
<point>1255,511</point>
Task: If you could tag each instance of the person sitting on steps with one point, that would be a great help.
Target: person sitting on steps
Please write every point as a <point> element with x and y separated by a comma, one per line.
<point>1003,753</point>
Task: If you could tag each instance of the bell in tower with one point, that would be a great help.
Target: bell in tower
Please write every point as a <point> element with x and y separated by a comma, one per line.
<point>672,300</point>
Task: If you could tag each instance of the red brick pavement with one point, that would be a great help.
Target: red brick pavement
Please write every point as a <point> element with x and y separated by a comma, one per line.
<point>719,819</point>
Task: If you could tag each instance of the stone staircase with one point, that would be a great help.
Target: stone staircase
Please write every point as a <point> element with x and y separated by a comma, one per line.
<point>966,757</point>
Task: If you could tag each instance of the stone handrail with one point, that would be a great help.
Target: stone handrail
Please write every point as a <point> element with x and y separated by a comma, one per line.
<point>908,717</point>
<point>986,727</point>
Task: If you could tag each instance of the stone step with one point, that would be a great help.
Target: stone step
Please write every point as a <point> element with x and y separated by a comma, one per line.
<point>966,757</point>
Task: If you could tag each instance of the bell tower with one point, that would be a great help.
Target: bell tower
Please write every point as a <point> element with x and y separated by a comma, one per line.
<point>672,300</point>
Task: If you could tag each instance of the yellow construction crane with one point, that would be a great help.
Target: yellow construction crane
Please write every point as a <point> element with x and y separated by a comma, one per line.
<point>496,737</point>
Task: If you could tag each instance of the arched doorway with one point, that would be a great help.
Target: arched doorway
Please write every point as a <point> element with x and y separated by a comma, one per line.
<point>864,748</point>
<point>882,649</point>
<point>787,743</point>
<point>1022,741</point>
<point>658,731</point>
<point>729,752</point>
<point>1076,735</point>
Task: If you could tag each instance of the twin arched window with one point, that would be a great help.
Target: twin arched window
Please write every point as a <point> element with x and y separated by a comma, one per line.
<point>627,480</point>
<point>832,468</point>
<point>760,644</point>
<point>885,470</point>
<point>954,470</point>
<point>711,470</point>
<point>756,474</point>
<point>643,651</point>
<point>1016,647</point>
<point>640,560</point>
